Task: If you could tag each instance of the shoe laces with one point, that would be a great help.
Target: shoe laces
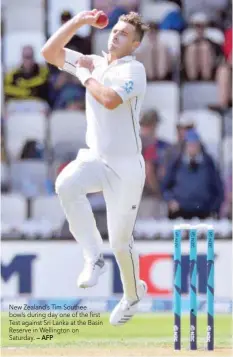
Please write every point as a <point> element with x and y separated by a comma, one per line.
<point>126,304</point>
<point>89,266</point>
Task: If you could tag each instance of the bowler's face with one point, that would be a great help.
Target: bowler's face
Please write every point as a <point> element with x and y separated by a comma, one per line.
<point>122,39</point>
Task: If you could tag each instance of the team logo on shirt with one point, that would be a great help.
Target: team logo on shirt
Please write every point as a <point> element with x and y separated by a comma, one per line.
<point>128,86</point>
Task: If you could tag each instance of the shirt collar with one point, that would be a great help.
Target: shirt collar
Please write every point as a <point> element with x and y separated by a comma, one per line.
<point>124,59</point>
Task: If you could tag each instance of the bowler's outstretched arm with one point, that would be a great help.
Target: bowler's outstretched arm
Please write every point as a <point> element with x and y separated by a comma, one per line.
<point>53,51</point>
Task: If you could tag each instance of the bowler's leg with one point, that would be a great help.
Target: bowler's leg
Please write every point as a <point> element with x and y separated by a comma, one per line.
<point>72,185</point>
<point>122,202</point>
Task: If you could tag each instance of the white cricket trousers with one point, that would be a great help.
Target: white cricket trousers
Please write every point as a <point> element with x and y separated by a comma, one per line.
<point>121,180</point>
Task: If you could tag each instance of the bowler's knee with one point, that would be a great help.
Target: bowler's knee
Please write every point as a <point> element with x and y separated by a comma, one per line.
<point>61,186</point>
<point>67,186</point>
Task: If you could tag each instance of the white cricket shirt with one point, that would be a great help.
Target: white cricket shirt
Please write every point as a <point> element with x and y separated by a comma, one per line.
<point>113,132</point>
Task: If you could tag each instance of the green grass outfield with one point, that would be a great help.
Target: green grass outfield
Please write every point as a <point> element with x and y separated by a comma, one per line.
<point>145,329</point>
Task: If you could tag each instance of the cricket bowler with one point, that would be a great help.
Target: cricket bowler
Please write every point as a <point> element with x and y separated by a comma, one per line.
<point>115,87</point>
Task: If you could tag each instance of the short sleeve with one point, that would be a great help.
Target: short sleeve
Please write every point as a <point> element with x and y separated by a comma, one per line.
<point>71,58</point>
<point>131,82</point>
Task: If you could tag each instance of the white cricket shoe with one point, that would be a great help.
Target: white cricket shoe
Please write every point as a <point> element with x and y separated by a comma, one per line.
<point>91,273</point>
<point>125,309</point>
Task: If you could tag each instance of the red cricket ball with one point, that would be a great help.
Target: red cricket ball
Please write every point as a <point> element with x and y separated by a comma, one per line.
<point>102,20</point>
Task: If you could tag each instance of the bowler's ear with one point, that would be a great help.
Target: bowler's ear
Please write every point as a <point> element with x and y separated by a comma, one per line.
<point>136,44</point>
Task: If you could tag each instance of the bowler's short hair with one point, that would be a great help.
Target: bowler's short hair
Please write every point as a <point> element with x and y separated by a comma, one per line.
<point>135,19</point>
